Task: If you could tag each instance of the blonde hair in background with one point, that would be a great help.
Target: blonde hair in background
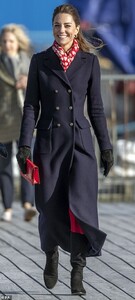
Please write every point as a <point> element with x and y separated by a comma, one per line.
<point>20,33</point>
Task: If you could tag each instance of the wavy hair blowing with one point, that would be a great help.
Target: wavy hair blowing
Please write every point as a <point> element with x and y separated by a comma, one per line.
<point>20,34</point>
<point>71,10</point>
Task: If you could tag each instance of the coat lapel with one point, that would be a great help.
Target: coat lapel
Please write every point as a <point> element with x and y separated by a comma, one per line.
<point>51,61</point>
<point>4,75</point>
<point>78,62</point>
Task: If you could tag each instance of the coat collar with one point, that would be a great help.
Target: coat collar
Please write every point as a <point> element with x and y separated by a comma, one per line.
<point>52,62</point>
<point>4,75</point>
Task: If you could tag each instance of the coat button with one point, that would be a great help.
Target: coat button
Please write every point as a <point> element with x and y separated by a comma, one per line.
<point>69,91</point>
<point>70,107</point>
<point>57,108</point>
<point>58,124</point>
<point>71,124</point>
<point>56,91</point>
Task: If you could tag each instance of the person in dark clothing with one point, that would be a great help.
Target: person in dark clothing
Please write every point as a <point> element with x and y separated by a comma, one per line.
<point>59,81</point>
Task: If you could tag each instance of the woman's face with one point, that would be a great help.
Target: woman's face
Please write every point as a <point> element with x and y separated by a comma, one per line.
<point>9,44</point>
<point>64,30</point>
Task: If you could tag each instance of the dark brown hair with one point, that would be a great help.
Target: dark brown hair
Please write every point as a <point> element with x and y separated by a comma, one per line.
<point>71,10</point>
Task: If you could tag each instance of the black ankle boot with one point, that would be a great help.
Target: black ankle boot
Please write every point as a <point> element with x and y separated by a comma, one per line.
<point>51,268</point>
<point>76,281</point>
<point>78,262</point>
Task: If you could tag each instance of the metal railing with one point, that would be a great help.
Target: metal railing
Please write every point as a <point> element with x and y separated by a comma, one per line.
<point>118,93</point>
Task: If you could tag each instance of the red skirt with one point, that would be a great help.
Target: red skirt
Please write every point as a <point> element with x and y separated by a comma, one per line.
<point>75,227</point>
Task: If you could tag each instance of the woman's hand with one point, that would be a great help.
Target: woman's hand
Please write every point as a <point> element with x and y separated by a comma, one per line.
<point>21,83</point>
<point>23,153</point>
<point>3,151</point>
<point>107,160</point>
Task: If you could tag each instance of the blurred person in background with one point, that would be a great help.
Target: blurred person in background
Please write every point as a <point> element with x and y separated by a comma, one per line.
<point>14,64</point>
<point>114,22</point>
<point>59,81</point>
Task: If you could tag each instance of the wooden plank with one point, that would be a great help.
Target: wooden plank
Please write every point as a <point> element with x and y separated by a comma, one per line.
<point>110,276</point>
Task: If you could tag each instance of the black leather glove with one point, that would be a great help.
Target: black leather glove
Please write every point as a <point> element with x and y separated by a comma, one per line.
<point>107,160</point>
<point>3,151</point>
<point>23,153</point>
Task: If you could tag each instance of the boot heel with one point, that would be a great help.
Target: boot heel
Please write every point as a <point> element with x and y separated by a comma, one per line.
<point>77,287</point>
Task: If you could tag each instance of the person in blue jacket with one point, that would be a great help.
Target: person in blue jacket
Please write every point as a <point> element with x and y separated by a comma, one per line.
<point>114,23</point>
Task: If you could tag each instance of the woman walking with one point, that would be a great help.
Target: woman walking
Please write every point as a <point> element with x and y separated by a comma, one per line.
<point>59,81</point>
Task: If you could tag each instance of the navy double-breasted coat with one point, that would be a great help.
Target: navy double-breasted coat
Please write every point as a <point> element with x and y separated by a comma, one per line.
<point>64,149</point>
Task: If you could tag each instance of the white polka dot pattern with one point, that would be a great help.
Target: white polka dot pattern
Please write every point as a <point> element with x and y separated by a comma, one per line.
<point>66,57</point>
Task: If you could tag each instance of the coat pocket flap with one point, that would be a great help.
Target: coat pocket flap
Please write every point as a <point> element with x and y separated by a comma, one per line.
<point>83,123</point>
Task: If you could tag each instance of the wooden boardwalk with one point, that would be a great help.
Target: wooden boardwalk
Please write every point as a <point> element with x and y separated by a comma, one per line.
<point>111,276</point>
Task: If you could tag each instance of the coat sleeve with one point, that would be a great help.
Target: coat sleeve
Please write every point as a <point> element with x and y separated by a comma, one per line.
<point>31,105</point>
<point>96,109</point>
